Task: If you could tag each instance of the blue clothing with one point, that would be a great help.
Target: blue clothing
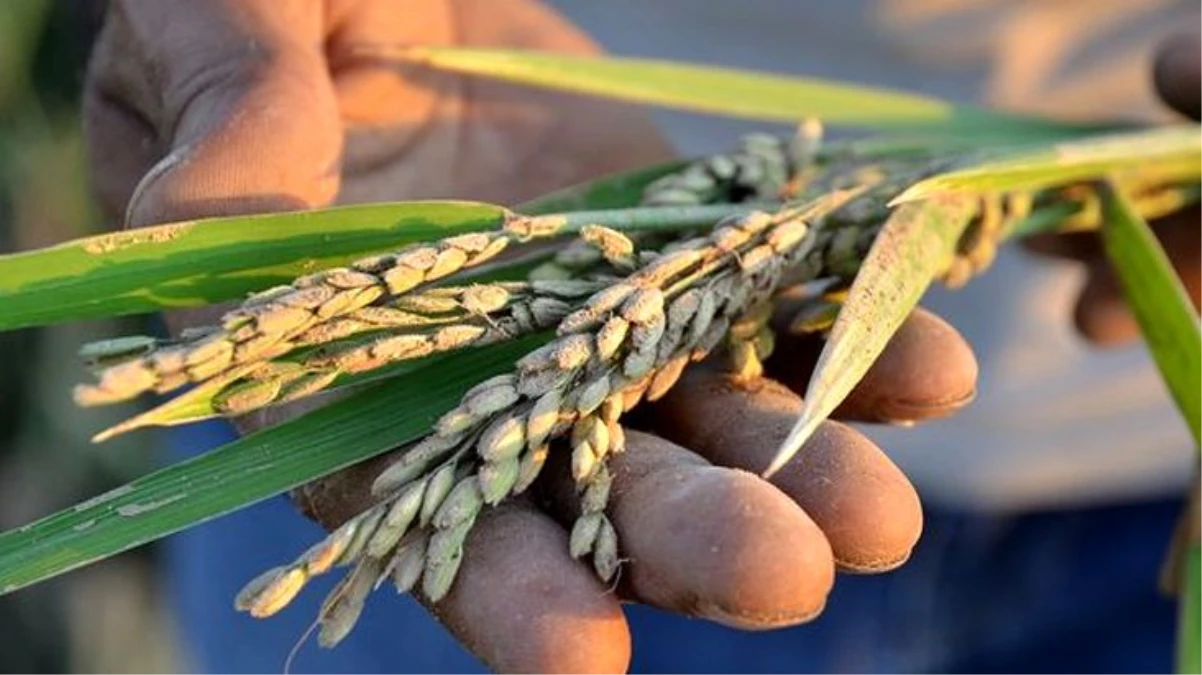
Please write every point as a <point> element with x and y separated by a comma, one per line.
<point>1057,591</point>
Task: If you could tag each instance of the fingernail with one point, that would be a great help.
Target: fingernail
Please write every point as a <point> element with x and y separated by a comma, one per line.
<point>133,216</point>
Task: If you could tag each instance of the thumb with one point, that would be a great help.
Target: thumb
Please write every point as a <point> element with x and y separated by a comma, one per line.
<point>235,98</point>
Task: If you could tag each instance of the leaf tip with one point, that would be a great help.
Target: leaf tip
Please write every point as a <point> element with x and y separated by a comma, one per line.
<point>798,435</point>
<point>394,53</point>
<point>105,435</point>
<point>116,430</point>
<point>913,193</point>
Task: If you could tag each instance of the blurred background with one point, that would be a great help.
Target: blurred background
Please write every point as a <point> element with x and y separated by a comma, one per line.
<point>107,617</point>
<point>1085,58</point>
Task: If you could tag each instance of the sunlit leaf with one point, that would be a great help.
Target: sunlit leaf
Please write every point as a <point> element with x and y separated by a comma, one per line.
<point>727,91</point>
<point>1154,156</point>
<point>190,406</point>
<point>248,470</point>
<point>1159,302</point>
<point>195,263</point>
<point>1169,325</point>
<point>914,246</point>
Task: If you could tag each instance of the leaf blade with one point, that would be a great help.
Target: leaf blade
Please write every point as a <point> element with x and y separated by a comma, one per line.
<point>915,244</point>
<point>200,262</point>
<point>727,91</point>
<point>1189,627</point>
<point>1165,155</point>
<point>1170,328</point>
<point>1158,300</point>
<point>248,470</point>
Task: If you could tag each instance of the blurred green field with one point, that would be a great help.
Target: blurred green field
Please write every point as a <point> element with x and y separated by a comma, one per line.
<point>109,617</point>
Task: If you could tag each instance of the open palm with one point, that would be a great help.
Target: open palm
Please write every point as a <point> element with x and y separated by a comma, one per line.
<point>215,108</point>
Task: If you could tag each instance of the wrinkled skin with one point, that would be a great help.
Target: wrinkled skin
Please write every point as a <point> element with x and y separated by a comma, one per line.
<point>235,106</point>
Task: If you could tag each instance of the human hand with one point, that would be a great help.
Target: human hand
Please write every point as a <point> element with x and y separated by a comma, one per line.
<point>1101,314</point>
<point>217,108</point>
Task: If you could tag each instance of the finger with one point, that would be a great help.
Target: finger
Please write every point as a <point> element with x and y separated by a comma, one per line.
<point>1176,74</point>
<point>926,371</point>
<point>519,602</point>
<point>522,604</point>
<point>715,543</point>
<point>1103,316</point>
<point>122,147</point>
<point>370,81</point>
<point>240,100</point>
<point>122,144</point>
<point>707,541</point>
<point>860,500</point>
<point>1100,314</point>
<point>464,136</point>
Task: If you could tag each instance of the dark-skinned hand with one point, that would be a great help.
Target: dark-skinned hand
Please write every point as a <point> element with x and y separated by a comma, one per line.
<point>1101,314</point>
<point>213,108</point>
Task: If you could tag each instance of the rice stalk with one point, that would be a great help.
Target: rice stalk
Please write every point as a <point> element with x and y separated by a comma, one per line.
<point>632,306</point>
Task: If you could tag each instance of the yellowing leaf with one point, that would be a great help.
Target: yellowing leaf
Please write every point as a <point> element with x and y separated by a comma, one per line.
<point>1154,156</point>
<point>728,91</point>
<point>914,246</point>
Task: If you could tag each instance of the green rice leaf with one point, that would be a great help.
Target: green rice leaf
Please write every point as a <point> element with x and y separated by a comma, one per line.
<point>730,92</point>
<point>1189,627</point>
<point>248,470</point>
<point>1165,155</point>
<point>915,245</point>
<point>194,263</point>
<point>1170,329</point>
<point>201,262</point>
<point>1159,302</point>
